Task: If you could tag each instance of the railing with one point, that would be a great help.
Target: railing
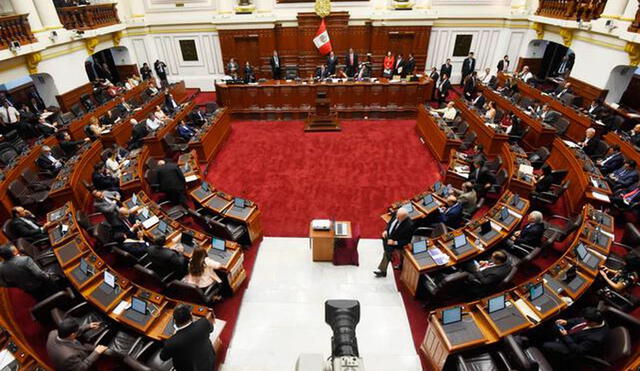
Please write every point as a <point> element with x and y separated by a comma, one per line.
<point>88,17</point>
<point>576,10</point>
<point>15,27</point>
<point>635,25</point>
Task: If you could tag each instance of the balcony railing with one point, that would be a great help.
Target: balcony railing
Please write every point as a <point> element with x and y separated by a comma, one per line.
<point>15,27</point>
<point>88,17</point>
<point>575,10</point>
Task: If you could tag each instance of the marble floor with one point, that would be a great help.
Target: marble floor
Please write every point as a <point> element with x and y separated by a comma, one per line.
<point>282,312</point>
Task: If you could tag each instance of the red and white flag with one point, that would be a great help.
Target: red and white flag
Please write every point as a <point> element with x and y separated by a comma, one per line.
<point>322,41</point>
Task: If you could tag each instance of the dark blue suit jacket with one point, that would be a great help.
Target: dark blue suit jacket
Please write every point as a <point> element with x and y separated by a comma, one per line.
<point>612,164</point>
<point>531,234</point>
<point>452,216</point>
<point>626,178</point>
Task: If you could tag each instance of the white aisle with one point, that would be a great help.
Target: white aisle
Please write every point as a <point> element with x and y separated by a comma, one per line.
<point>282,312</point>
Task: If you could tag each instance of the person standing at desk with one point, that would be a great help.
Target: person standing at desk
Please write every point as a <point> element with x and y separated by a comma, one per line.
<point>503,64</point>
<point>171,181</point>
<point>351,63</point>
<point>332,62</point>
<point>434,76</point>
<point>189,348</point>
<point>145,71</point>
<point>387,65</point>
<point>446,69</point>
<point>468,65</point>
<point>161,71</point>
<point>443,89</point>
<point>232,68</point>
<point>396,235</point>
<point>398,65</point>
<point>275,66</point>
<point>470,84</point>
<point>249,75</point>
<point>409,66</point>
<point>69,354</point>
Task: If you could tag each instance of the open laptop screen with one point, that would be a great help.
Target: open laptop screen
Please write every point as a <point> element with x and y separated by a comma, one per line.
<point>451,315</point>
<point>496,304</point>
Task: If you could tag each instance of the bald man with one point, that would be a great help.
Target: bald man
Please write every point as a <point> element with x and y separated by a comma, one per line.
<point>396,235</point>
<point>591,142</point>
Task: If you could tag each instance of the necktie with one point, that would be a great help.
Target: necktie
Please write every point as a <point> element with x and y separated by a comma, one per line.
<point>630,195</point>
<point>577,328</point>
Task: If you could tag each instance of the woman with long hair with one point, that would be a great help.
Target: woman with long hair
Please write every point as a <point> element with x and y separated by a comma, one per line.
<point>201,270</point>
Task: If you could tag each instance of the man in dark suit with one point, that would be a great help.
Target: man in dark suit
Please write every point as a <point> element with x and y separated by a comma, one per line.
<point>396,235</point>
<point>169,102</point>
<point>596,109</point>
<point>276,66</point>
<point>503,65</point>
<point>189,348</point>
<point>108,203</point>
<point>124,107</point>
<point>434,75</point>
<point>409,66</point>
<point>531,234</point>
<point>171,181</point>
<point>139,130</point>
<point>624,177</point>
<point>575,337</point>
<point>451,215</point>
<point>165,260</point>
<point>134,245</point>
<point>485,275</point>
<point>547,115</point>
<point>591,142</point>
<point>634,135</point>
<point>66,352</point>
<point>108,119</point>
<point>70,147</point>
<point>351,63</point>
<point>48,162</point>
<point>562,89</point>
<point>446,69</point>
<point>145,71</point>
<point>102,180</point>
<point>468,65</point>
<point>161,71</point>
<point>479,101</point>
<point>197,117</point>
<point>332,62</point>
<point>443,89</point>
<point>22,272</point>
<point>612,161</point>
<point>24,224</point>
<point>470,85</point>
<point>481,177</point>
<point>322,72</point>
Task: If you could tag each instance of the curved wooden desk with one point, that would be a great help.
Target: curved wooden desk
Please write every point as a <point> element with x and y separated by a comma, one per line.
<point>436,135</point>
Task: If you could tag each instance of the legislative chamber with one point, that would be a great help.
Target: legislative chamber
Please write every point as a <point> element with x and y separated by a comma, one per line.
<point>319,185</point>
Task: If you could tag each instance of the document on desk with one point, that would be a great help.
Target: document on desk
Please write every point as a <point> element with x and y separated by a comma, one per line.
<point>6,358</point>
<point>526,169</point>
<point>461,170</point>
<point>600,196</point>
<point>150,222</point>
<point>439,257</point>
<point>121,307</point>
<point>526,310</point>
<point>191,178</point>
<point>570,144</point>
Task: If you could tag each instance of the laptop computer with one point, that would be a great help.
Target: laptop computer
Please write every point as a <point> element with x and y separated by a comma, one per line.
<point>515,201</point>
<point>437,186</point>
<point>451,315</point>
<point>485,227</point>
<point>139,305</point>
<point>408,207</point>
<point>162,227</point>
<point>186,238</point>
<point>585,256</point>
<point>459,241</point>
<point>504,214</point>
<point>419,246</point>
<point>427,199</point>
<point>86,268</point>
<point>205,186</point>
<point>536,291</point>
<point>218,244</point>
<point>239,202</point>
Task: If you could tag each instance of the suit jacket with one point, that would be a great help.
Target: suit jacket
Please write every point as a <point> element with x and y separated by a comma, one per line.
<point>138,132</point>
<point>469,86</point>
<point>110,210</point>
<point>104,181</point>
<point>596,111</point>
<point>550,116</point>
<point>170,103</point>
<point>409,66</point>
<point>402,233</point>
<point>350,68</point>
<point>452,216</point>
<point>398,64</point>
<point>501,65</point>
<point>446,70</point>
<point>482,176</point>
<point>489,277</point>
<point>468,200</point>
<point>22,272</point>
<point>70,146</point>
<point>161,70</point>
<point>105,120</point>
<point>275,70</point>
<point>135,248</point>
<point>626,178</point>
<point>434,76</point>
<point>614,162</point>
<point>468,65</point>
<point>70,355</point>
<point>21,228</point>
<point>170,178</point>
<point>479,104</point>
<point>584,341</point>
<point>544,183</point>
<point>197,117</point>
<point>635,139</point>
<point>124,108</point>
<point>331,64</point>
<point>165,261</point>
<point>145,72</point>
<point>592,146</point>
<point>444,89</point>
<point>531,234</point>
<point>322,74</point>
<point>190,348</point>
<point>185,132</point>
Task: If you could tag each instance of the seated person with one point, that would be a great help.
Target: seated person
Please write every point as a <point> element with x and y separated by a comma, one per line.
<point>322,72</point>
<point>134,245</point>
<point>596,109</point>
<point>66,352</point>
<point>576,337</point>
<point>124,107</point>
<point>24,224</point>
<point>475,154</point>
<point>197,117</point>
<point>22,272</point>
<point>152,122</point>
<point>103,180</point>
<point>70,147</point>
<point>159,114</point>
<point>48,162</point>
<point>486,275</point>
<point>591,142</point>
<point>139,130</point>
<point>112,164</point>
<point>117,216</point>
<point>624,177</point>
<point>449,112</point>
<point>531,234</point>
<point>544,181</point>
<point>201,270</point>
<point>479,101</point>
<point>340,74</point>
<point>547,115</point>
<point>468,198</point>
<point>623,280</point>
<point>46,128</point>
<point>612,161</point>
<point>525,75</point>
<point>165,260</point>
<point>486,76</point>
<point>630,196</point>
<point>634,135</point>
<point>185,131</point>
<point>451,214</point>
<point>481,177</point>
<point>562,89</point>
<point>490,112</point>
<point>106,121</point>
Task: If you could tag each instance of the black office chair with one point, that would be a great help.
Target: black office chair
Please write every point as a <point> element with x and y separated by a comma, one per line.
<point>42,254</point>
<point>84,314</point>
<point>468,140</point>
<point>516,138</point>
<point>22,196</point>
<point>441,286</point>
<point>555,233</point>
<point>16,141</point>
<point>550,197</point>
<point>34,182</point>
<point>600,151</point>
<point>559,175</point>
<point>174,144</point>
<point>191,293</point>
<point>104,236</point>
<point>8,154</point>
<point>147,358</point>
<point>41,311</point>
<point>561,125</point>
<point>146,270</point>
<point>461,129</point>
<point>77,110</point>
<point>508,356</point>
<point>494,164</point>
<point>539,157</point>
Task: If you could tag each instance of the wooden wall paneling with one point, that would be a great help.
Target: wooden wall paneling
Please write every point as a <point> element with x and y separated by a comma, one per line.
<point>126,70</point>
<point>587,91</point>
<point>72,97</point>
<point>535,64</point>
<point>20,94</point>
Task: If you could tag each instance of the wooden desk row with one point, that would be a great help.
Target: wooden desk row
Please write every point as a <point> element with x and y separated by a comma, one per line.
<point>491,139</point>
<point>153,142</point>
<point>626,148</point>
<point>212,135</point>
<point>476,242</point>
<point>73,251</point>
<point>435,134</point>
<point>540,134</point>
<point>562,288</point>
<point>283,99</point>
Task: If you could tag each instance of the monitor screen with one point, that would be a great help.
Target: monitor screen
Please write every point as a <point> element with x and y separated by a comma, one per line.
<point>496,304</point>
<point>419,246</point>
<point>109,279</point>
<point>427,199</point>
<point>84,267</point>
<point>595,235</point>
<point>581,251</point>
<point>408,207</point>
<point>186,238</point>
<point>145,213</point>
<point>460,241</point>
<point>437,186</point>
<point>218,244</point>
<point>139,305</point>
<point>238,202</point>
<point>451,315</point>
<point>205,187</point>
<point>134,199</point>
<point>162,226</point>
<point>504,213</point>
<point>536,291</point>
<point>485,227</point>
<point>515,200</point>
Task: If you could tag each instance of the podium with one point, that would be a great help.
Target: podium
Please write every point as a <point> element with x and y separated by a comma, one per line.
<point>323,242</point>
<point>322,119</point>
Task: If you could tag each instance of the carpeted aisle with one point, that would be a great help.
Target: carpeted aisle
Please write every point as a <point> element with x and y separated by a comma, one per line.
<point>350,175</point>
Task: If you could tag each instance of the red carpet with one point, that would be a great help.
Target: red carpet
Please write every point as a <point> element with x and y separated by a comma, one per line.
<point>350,175</point>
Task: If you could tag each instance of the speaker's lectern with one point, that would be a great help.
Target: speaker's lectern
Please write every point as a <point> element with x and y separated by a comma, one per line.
<point>323,119</point>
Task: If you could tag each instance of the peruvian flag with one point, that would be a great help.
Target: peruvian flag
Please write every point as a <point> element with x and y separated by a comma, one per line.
<point>322,41</point>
